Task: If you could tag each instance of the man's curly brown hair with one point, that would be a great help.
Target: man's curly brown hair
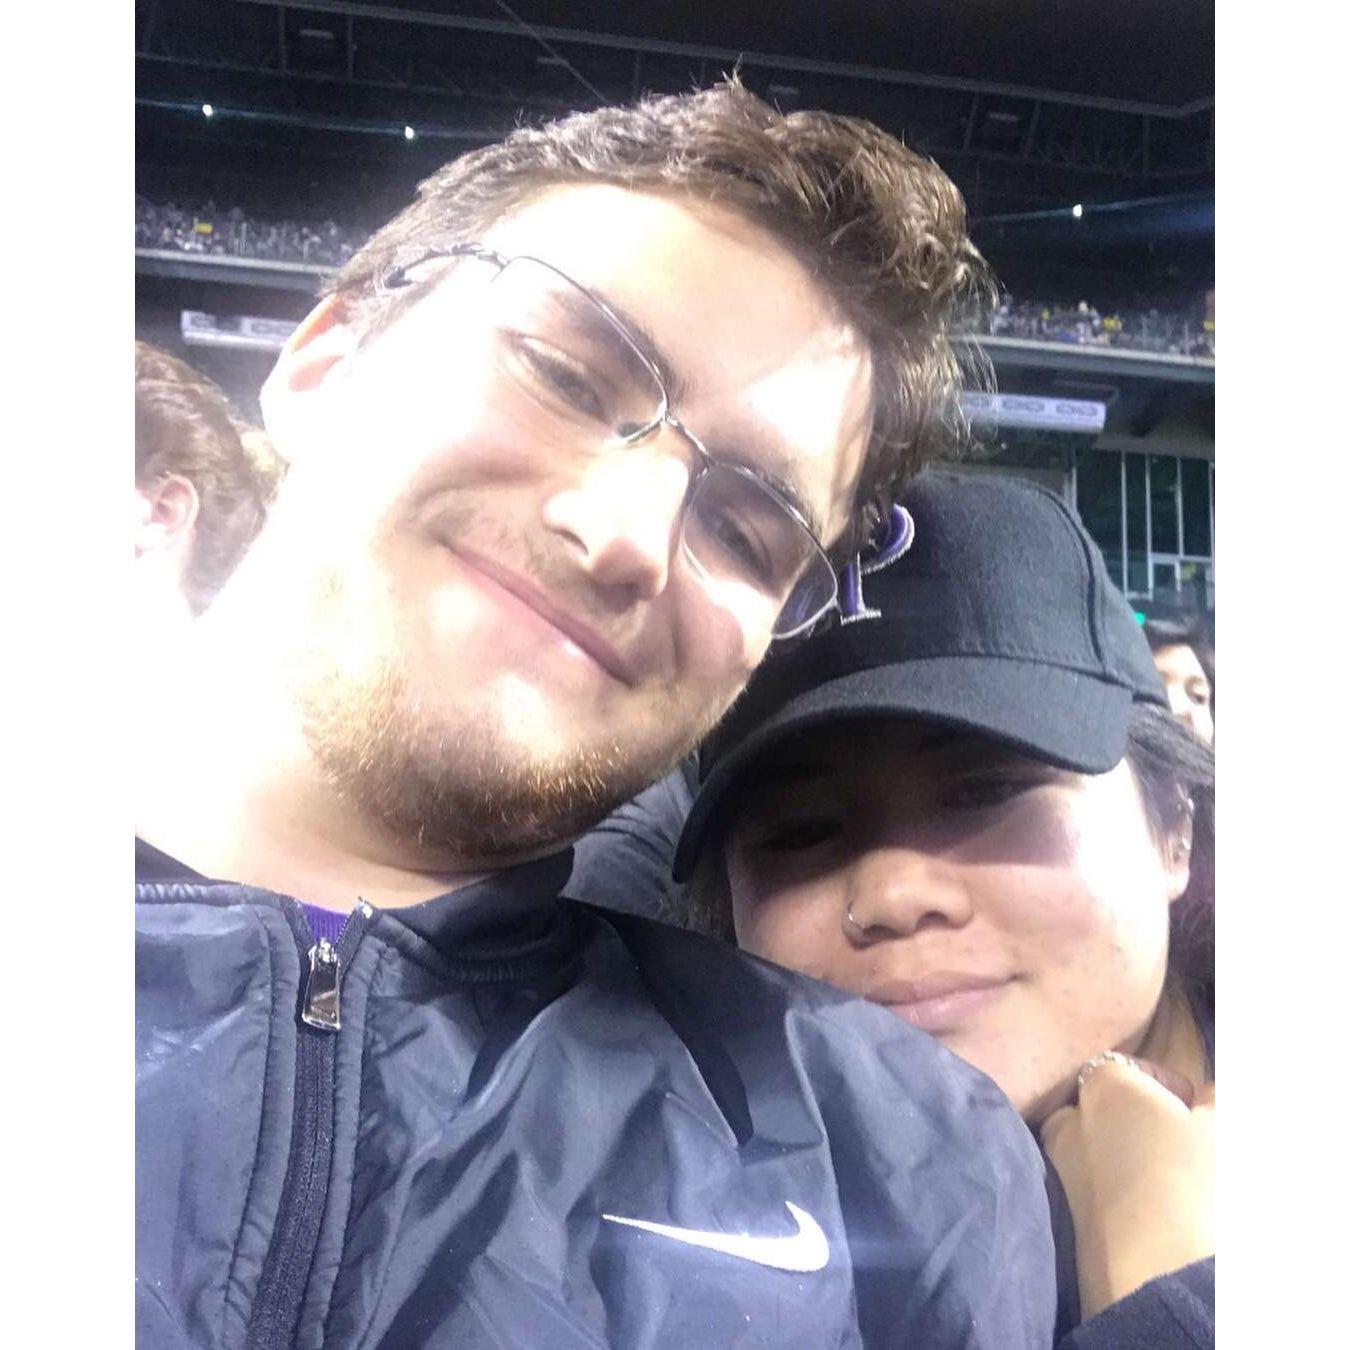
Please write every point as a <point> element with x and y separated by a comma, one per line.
<point>882,228</point>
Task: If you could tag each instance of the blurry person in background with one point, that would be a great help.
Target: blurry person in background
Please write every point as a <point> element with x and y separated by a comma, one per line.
<point>203,481</point>
<point>570,442</point>
<point>1184,655</point>
<point>974,809</point>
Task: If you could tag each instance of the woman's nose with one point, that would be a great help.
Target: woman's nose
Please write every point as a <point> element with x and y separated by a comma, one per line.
<point>894,892</point>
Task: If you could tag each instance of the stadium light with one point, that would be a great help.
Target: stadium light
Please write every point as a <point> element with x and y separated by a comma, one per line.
<point>1078,210</point>
<point>208,110</point>
<point>409,134</point>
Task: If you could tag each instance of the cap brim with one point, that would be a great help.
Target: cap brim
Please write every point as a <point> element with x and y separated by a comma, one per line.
<point>1064,717</point>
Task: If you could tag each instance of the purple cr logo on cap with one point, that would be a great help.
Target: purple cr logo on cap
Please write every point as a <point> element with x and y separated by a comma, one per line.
<point>899,536</point>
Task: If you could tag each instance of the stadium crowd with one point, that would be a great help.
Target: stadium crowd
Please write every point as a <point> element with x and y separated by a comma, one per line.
<point>940,995</point>
<point>1149,330</point>
<point>205,228</point>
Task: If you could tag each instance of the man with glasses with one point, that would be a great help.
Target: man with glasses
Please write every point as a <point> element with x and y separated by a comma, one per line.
<point>572,441</point>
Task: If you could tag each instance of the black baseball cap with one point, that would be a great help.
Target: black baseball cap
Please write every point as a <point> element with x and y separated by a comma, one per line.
<point>1000,619</point>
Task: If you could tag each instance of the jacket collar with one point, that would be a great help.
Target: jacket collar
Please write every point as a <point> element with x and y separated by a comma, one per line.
<point>153,864</point>
<point>495,917</point>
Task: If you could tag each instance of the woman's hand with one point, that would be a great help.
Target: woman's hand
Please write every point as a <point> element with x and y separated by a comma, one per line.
<point>1137,1165</point>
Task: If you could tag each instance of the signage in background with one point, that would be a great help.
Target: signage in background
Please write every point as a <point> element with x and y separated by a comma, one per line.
<point>1034,411</point>
<point>239,331</point>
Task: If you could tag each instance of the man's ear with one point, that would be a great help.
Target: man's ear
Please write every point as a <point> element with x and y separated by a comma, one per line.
<point>1177,857</point>
<point>166,511</point>
<point>314,353</point>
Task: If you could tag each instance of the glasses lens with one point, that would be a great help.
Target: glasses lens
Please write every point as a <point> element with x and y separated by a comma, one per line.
<point>815,592</point>
<point>743,538</point>
<point>566,362</point>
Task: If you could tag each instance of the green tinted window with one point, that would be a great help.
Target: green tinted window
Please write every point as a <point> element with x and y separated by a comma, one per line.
<point>1136,523</point>
<point>1195,523</point>
<point>1099,506</point>
<point>1162,472</point>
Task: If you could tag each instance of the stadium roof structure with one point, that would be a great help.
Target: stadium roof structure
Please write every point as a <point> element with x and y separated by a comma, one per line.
<point>1031,106</point>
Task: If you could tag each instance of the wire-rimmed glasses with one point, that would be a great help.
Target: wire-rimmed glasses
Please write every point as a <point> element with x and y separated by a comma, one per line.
<point>573,372</point>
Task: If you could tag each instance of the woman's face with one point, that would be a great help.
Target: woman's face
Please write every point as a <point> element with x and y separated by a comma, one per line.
<point>1188,690</point>
<point>1017,912</point>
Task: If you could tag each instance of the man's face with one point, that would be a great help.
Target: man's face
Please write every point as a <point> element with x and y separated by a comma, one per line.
<point>500,638</point>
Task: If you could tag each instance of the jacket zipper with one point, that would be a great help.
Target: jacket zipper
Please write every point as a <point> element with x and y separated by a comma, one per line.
<point>320,1009</point>
<point>304,1193</point>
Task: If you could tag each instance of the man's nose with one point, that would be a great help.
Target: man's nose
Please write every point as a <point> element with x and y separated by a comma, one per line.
<point>894,892</point>
<point>621,518</point>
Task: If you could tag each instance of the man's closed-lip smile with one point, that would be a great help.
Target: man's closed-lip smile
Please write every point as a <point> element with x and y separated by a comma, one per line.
<point>573,629</point>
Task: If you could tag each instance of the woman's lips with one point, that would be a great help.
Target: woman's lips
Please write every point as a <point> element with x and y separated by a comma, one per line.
<point>941,1003</point>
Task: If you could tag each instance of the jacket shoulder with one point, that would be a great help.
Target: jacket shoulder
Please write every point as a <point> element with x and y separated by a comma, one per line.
<point>731,1007</point>
<point>665,952</point>
<point>923,1151</point>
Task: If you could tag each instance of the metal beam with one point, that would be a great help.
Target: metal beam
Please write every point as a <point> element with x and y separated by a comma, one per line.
<point>286,276</point>
<point>1030,138</point>
<point>514,98</point>
<point>1195,198</point>
<point>970,123</point>
<point>1055,152</point>
<point>730,56</point>
<point>318,122</point>
<point>1010,351</point>
<point>147,33</point>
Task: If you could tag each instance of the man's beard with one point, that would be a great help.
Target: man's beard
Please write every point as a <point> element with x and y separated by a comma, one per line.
<point>463,788</point>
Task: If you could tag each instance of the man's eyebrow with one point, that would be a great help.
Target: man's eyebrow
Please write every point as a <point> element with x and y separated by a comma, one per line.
<point>677,387</point>
<point>783,486</point>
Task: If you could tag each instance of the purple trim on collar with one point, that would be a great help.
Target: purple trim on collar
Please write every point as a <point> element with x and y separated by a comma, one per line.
<point>324,923</point>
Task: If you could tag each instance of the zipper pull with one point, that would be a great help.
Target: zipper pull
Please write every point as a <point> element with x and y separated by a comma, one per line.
<point>321,995</point>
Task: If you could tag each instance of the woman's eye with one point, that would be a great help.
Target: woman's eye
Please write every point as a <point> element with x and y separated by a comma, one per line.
<point>981,792</point>
<point>798,835</point>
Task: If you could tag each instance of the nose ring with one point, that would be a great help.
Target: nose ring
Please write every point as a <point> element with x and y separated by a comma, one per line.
<point>853,923</point>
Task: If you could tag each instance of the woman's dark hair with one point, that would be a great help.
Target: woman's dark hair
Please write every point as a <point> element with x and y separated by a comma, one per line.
<point>1175,773</point>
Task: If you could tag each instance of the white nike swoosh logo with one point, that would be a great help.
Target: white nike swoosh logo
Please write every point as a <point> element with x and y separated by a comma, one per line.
<point>805,1250</point>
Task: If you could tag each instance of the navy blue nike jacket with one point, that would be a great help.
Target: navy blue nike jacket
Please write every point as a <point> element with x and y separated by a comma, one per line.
<point>502,1119</point>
